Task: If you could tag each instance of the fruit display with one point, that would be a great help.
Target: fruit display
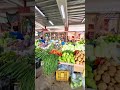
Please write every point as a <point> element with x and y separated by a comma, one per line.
<point>107,75</point>
<point>79,57</point>
<point>76,81</point>
<point>89,77</point>
<point>67,57</point>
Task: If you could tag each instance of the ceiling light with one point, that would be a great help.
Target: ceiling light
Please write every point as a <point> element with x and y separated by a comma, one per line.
<point>63,12</point>
<point>39,11</point>
<point>83,20</point>
<point>51,22</point>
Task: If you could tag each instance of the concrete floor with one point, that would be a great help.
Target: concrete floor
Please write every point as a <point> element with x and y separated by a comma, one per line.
<point>49,82</point>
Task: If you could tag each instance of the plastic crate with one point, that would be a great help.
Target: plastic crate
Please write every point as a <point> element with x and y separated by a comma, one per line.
<point>62,75</point>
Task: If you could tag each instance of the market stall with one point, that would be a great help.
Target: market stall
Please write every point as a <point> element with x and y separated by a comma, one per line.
<point>102,51</point>
<point>16,46</point>
<point>60,45</point>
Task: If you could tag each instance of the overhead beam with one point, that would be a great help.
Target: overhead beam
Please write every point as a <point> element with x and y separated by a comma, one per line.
<point>64,14</point>
<point>74,7</point>
<point>77,10</point>
<point>17,2</point>
<point>49,6</point>
<point>43,2</point>
<point>31,3</point>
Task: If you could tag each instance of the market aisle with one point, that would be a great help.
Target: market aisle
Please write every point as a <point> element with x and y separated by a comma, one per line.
<point>49,83</point>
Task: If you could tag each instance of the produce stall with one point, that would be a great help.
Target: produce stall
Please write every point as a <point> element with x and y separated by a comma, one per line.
<point>69,60</point>
<point>16,47</point>
<point>102,64</point>
<point>102,51</point>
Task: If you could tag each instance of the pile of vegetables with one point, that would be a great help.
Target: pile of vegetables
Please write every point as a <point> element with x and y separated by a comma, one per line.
<point>19,68</point>
<point>76,81</point>
<point>81,42</point>
<point>50,64</point>
<point>112,38</point>
<point>67,57</point>
<point>89,77</point>
<point>50,61</point>
<point>107,75</point>
<point>56,52</point>
<point>68,47</point>
<point>79,57</point>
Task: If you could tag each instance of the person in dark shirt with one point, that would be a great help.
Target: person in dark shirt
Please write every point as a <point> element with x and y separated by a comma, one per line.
<point>16,33</point>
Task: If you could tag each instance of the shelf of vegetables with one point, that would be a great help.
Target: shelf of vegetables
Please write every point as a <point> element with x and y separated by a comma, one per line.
<point>17,61</point>
<point>70,54</point>
<point>102,63</point>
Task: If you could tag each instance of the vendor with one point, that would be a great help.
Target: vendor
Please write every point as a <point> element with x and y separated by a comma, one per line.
<point>16,33</point>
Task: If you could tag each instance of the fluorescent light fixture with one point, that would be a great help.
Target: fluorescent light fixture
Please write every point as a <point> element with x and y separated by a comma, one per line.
<point>51,22</point>
<point>63,12</point>
<point>83,20</point>
<point>39,11</point>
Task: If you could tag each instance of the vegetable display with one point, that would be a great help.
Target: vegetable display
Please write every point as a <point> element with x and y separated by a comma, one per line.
<point>89,77</point>
<point>67,57</point>
<point>50,64</point>
<point>76,81</point>
<point>19,67</point>
<point>56,52</point>
<point>79,57</point>
<point>107,75</point>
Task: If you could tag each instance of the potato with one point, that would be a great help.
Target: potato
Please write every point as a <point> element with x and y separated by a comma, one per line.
<point>76,58</point>
<point>117,78</point>
<point>111,84</point>
<point>82,55</point>
<point>118,72</point>
<point>97,77</point>
<point>79,59</point>
<point>118,67</point>
<point>77,62</point>
<point>107,63</point>
<point>106,77</point>
<point>111,73</point>
<point>102,86</point>
<point>117,87</point>
<point>110,88</point>
<point>83,58</point>
<point>113,63</point>
<point>113,80</point>
<point>112,68</point>
<point>104,68</point>
<point>99,67</point>
<point>95,72</point>
<point>100,71</point>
